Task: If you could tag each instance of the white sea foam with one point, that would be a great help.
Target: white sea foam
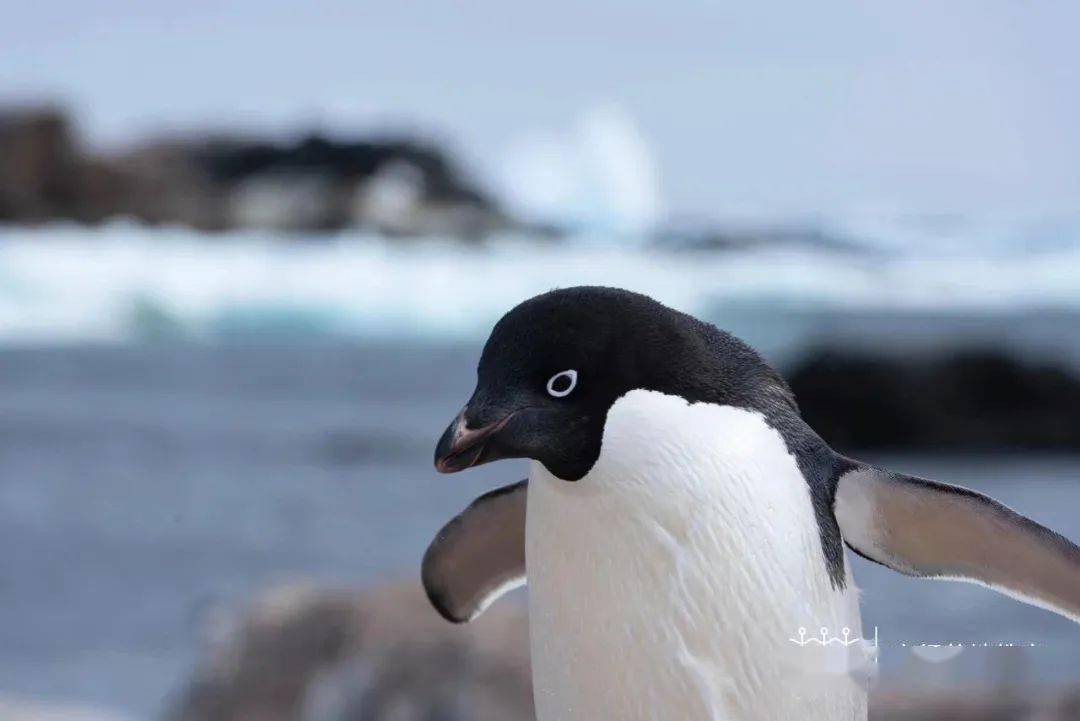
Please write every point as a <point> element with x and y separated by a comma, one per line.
<point>123,281</point>
<point>601,174</point>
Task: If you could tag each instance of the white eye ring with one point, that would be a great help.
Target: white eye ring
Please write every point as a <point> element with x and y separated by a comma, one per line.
<point>571,374</point>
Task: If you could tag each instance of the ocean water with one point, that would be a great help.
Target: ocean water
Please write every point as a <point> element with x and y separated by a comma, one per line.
<point>143,486</point>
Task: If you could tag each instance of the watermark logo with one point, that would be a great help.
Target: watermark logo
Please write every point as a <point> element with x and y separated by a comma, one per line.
<point>824,638</point>
<point>932,652</point>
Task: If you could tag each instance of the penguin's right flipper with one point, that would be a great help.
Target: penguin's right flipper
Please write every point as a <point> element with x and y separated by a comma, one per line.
<point>479,555</point>
<point>924,528</point>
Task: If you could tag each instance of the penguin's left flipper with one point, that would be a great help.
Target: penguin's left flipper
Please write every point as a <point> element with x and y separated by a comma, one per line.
<point>478,556</point>
<point>924,528</point>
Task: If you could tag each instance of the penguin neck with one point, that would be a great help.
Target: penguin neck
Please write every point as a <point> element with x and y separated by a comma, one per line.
<point>690,545</point>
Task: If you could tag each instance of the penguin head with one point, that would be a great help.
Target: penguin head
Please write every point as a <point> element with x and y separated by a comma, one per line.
<point>556,363</point>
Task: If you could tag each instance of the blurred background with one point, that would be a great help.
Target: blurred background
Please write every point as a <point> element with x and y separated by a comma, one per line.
<point>249,252</point>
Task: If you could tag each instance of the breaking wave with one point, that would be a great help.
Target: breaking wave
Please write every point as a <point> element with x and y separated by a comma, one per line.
<point>123,282</point>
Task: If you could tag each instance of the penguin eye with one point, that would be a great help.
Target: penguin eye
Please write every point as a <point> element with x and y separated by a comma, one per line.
<point>561,384</point>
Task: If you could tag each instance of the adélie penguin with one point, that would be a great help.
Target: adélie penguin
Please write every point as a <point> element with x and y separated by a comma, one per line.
<point>682,530</point>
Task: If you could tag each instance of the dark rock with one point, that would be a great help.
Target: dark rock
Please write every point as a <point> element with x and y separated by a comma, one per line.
<point>304,654</point>
<point>233,161</point>
<point>396,186</point>
<point>975,400</point>
<point>38,160</point>
<point>978,704</point>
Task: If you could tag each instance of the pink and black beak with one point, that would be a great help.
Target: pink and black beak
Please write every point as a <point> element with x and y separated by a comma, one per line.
<point>462,447</point>
<point>560,435</point>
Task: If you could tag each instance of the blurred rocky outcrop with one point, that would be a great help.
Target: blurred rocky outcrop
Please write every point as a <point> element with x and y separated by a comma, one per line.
<point>44,174</point>
<point>302,654</point>
<point>977,400</point>
<point>978,704</point>
<point>395,186</point>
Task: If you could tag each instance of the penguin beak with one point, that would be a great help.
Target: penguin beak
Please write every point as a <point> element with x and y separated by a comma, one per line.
<point>462,447</point>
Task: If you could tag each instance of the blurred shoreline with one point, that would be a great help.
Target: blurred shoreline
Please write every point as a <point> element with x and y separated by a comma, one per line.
<point>406,185</point>
<point>393,185</point>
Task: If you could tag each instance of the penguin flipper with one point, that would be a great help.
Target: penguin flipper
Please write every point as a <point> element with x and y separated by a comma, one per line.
<point>478,556</point>
<point>930,529</point>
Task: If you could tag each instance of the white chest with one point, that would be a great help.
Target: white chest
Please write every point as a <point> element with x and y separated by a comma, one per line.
<point>667,582</point>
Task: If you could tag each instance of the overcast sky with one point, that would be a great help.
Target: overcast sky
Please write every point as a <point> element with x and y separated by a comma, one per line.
<point>790,107</point>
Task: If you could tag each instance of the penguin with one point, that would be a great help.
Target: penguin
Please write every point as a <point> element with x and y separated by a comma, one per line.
<point>682,530</point>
